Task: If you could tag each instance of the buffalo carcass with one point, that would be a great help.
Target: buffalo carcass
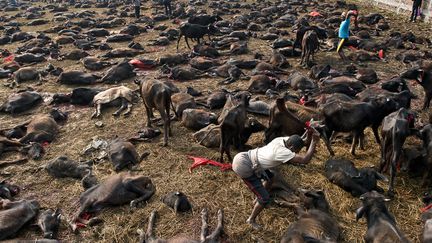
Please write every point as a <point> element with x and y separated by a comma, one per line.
<point>149,236</point>
<point>14,215</point>
<point>344,174</point>
<point>8,190</point>
<point>123,154</point>
<point>63,167</point>
<point>381,223</point>
<point>21,102</point>
<point>49,222</point>
<point>315,224</point>
<point>122,93</point>
<point>395,129</point>
<point>177,201</point>
<point>116,190</point>
<point>40,128</point>
<point>157,95</point>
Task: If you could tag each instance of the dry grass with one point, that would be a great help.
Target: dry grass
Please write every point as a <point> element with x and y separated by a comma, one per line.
<point>206,186</point>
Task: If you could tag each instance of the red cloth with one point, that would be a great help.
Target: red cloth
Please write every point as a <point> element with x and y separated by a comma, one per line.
<point>352,48</point>
<point>140,65</point>
<point>426,208</point>
<point>314,14</point>
<point>203,161</point>
<point>381,54</point>
<point>9,58</point>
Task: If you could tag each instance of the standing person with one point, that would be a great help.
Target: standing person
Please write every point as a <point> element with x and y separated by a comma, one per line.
<point>344,33</point>
<point>137,4</point>
<point>415,9</point>
<point>253,166</point>
<point>167,5</point>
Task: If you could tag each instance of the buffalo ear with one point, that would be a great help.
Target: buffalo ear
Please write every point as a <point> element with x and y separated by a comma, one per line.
<point>360,212</point>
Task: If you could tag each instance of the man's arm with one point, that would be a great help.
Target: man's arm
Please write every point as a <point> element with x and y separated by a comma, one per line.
<point>305,159</point>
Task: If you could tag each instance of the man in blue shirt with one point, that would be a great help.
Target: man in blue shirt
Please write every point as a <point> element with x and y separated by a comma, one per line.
<point>344,33</point>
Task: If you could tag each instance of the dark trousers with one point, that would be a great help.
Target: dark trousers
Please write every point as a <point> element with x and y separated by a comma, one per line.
<point>415,10</point>
<point>167,5</point>
<point>137,11</point>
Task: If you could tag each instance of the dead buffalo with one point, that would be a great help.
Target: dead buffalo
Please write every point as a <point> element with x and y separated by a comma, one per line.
<point>344,174</point>
<point>94,64</point>
<point>49,222</point>
<point>8,190</point>
<point>177,201</point>
<point>381,223</point>
<point>260,84</point>
<point>21,102</point>
<point>149,237</point>
<point>77,78</point>
<point>63,167</point>
<point>196,119</point>
<point>157,95</point>
<point>123,154</point>
<point>116,190</point>
<point>118,73</point>
<point>41,128</point>
<point>14,215</point>
<point>27,74</point>
<point>112,95</point>
<point>315,224</point>
<point>181,102</point>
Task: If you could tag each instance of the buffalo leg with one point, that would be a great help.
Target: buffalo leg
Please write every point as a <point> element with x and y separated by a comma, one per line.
<point>97,111</point>
<point>166,125</point>
<point>219,228</point>
<point>427,100</point>
<point>145,193</point>
<point>128,109</point>
<point>187,43</point>
<point>150,232</point>
<point>376,134</point>
<point>122,107</point>
<point>383,154</point>
<point>354,142</point>
<point>178,41</point>
<point>398,141</point>
<point>223,138</point>
<point>204,225</point>
<point>327,142</point>
<point>148,112</point>
<point>361,140</point>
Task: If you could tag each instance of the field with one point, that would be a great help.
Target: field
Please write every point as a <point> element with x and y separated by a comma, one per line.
<point>168,167</point>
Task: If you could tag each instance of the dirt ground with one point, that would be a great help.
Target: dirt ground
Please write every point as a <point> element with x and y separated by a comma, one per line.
<point>206,186</point>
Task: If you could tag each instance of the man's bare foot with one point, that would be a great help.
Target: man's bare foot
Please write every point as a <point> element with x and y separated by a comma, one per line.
<point>254,224</point>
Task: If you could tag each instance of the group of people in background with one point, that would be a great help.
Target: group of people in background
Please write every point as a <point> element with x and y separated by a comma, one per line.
<point>165,3</point>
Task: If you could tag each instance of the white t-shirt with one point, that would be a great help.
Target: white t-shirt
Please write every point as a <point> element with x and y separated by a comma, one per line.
<point>273,154</point>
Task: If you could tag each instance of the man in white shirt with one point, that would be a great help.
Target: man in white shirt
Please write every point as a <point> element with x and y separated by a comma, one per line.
<point>254,166</point>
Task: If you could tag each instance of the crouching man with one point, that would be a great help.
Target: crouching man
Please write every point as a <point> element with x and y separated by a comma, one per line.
<point>253,167</point>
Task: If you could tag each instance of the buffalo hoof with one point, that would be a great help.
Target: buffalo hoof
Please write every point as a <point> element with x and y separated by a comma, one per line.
<point>116,114</point>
